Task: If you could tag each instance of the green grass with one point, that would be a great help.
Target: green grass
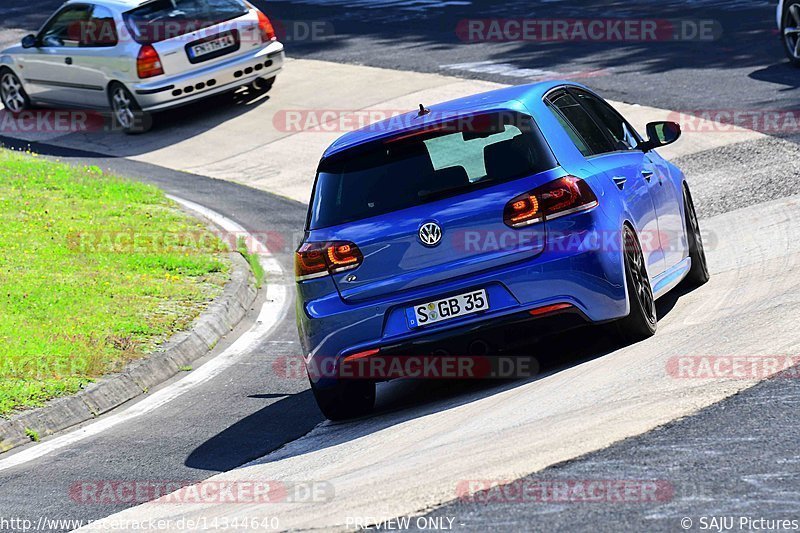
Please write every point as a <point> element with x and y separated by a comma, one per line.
<point>95,271</point>
<point>252,260</point>
<point>32,434</point>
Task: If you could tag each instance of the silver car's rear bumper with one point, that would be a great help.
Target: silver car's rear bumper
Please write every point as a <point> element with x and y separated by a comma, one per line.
<point>179,90</point>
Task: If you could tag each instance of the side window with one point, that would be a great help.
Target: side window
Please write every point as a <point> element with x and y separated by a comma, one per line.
<point>66,27</point>
<point>576,139</point>
<point>623,134</point>
<point>594,140</point>
<point>100,30</point>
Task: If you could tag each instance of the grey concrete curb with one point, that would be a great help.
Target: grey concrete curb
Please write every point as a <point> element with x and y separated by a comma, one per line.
<point>112,391</point>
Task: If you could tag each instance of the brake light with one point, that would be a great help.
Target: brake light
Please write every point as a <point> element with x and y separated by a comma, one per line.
<point>317,259</point>
<point>265,26</point>
<point>148,64</point>
<point>552,200</point>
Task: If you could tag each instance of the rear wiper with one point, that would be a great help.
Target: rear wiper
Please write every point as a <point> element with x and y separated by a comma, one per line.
<point>444,192</point>
<point>451,190</point>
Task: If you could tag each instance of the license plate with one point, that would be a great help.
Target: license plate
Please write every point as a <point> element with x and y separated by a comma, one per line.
<point>448,308</point>
<point>209,47</point>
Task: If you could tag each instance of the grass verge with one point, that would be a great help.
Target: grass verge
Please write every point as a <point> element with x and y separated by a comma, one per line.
<point>252,260</point>
<point>95,271</point>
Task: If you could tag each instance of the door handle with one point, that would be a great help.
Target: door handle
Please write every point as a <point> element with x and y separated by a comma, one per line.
<point>647,174</point>
<point>68,60</point>
<point>620,181</point>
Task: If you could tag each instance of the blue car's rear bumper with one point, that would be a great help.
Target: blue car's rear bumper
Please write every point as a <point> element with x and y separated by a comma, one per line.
<point>584,272</point>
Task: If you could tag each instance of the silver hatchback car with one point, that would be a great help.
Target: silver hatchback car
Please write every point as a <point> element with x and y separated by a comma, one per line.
<point>140,56</point>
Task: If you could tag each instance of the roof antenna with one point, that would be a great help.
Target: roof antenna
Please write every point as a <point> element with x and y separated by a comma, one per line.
<point>423,111</point>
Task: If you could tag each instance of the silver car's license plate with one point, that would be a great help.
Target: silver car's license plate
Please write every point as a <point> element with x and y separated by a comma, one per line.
<point>448,308</point>
<point>209,47</point>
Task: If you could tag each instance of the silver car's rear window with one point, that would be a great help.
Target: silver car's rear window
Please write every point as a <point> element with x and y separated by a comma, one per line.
<point>160,20</point>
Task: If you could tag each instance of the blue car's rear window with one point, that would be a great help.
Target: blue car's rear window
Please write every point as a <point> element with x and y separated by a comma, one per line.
<point>436,163</point>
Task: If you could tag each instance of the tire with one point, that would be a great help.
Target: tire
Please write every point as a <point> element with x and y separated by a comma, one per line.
<point>126,112</point>
<point>12,92</point>
<point>790,20</point>
<point>345,399</point>
<point>698,273</point>
<point>642,319</point>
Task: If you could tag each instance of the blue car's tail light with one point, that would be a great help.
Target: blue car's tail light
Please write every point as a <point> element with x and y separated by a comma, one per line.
<point>522,211</point>
<point>552,200</point>
<point>317,259</point>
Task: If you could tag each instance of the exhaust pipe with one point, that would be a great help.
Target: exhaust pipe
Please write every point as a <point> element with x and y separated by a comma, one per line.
<point>479,347</point>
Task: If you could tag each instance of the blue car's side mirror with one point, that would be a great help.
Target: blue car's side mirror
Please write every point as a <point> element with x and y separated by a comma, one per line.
<point>29,41</point>
<point>660,134</point>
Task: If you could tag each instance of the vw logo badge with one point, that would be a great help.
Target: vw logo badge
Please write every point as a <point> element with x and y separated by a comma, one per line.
<point>430,234</point>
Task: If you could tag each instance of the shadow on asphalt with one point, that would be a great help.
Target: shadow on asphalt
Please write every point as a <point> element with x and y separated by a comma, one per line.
<point>258,434</point>
<point>177,125</point>
<point>780,73</point>
<point>403,400</point>
<point>742,35</point>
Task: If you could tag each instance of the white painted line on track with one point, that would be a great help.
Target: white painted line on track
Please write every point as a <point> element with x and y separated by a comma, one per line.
<point>271,313</point>
<point>270,264</point>
<point>532,74</point>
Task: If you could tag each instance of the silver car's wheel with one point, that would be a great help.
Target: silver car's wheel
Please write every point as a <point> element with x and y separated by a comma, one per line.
<point>791,32</point>
<point>122,103</point>
<point>12,93</point>
<point>127,113</point>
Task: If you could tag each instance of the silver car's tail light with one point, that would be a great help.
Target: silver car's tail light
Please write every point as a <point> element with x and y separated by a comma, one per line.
<point>148,64</point>
<point>265,26</point>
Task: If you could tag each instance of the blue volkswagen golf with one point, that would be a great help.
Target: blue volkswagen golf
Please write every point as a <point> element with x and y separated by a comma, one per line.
<point>483,222</point>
